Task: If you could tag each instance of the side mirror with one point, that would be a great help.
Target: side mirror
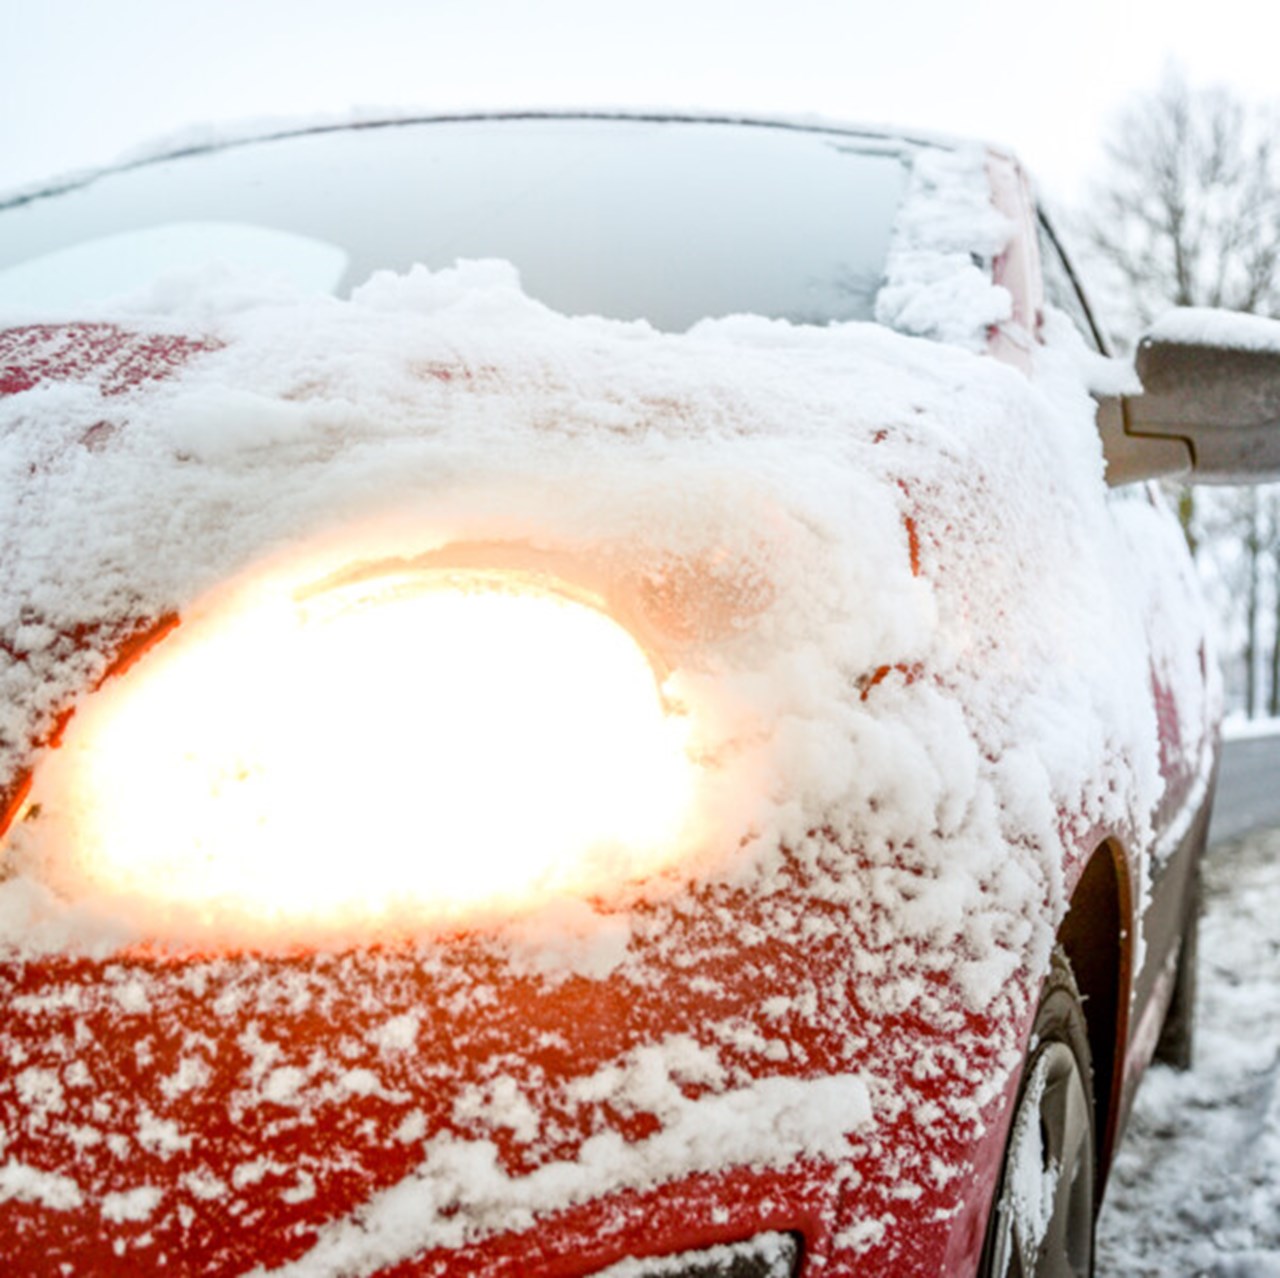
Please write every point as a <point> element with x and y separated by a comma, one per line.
<point>1210,402</point>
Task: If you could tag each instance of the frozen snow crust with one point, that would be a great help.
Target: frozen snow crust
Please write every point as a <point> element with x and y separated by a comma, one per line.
<point>934,684</point>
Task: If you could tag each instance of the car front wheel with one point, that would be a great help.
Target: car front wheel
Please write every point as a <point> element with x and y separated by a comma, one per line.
<point>1042,1224</point>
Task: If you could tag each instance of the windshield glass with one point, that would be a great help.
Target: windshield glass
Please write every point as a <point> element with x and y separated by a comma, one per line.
<point>669,221</point>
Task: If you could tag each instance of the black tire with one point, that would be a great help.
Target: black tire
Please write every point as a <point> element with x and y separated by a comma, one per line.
<point>1177,1035</point>
<point>1042,1222</point>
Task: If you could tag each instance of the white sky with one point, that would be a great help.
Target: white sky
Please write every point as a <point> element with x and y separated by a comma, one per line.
<point>83,80</point>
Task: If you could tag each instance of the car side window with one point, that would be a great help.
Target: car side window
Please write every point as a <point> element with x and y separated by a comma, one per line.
<point>1061,289</point>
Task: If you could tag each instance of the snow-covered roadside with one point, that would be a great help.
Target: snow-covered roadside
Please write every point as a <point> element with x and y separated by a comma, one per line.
<point>1236,728</point>
<point>1196,1187</point>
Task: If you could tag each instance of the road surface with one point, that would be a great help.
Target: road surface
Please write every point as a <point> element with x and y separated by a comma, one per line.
<point>1248,788</point>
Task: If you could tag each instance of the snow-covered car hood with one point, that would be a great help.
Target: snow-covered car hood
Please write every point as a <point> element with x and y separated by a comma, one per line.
<point>843,510</point>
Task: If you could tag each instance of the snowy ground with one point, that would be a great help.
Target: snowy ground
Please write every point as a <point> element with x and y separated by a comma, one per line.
<point>1196,1187</point>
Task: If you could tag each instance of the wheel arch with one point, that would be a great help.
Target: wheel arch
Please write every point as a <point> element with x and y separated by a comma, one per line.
<point>1096,937</point>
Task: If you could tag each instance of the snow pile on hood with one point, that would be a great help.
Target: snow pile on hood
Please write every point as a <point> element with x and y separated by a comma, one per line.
<point>938,656</point>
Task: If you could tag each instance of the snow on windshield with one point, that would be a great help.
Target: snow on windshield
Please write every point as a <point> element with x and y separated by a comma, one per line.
<point>667,220</point>
<point>938,280</point>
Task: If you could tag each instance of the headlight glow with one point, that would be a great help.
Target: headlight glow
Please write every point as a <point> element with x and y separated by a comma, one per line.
<point>406,746</point>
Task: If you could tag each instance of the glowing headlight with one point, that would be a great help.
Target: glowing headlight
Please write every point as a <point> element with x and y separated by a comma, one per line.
<point>413,745</point>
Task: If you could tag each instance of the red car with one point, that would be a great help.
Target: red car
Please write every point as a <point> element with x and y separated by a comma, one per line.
<point>665,758</point>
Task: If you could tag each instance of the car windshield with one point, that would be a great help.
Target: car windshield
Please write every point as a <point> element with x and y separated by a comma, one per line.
<point>668,221</point>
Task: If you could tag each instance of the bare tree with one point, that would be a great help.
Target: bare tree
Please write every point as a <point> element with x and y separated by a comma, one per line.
<point>1187,213</point>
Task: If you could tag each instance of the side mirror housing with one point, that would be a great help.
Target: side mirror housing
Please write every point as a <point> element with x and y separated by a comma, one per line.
<point>1210,402</point>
